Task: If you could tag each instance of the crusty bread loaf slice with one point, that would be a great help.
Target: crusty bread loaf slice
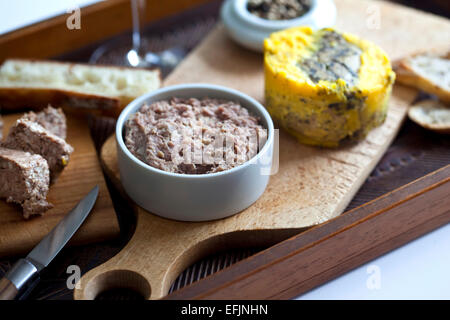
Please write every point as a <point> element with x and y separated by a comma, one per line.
<point>431,114</point>
<point>429,72</point>
<point>97,89</point>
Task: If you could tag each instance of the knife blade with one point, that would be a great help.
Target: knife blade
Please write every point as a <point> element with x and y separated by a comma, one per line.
<point>24,274</point>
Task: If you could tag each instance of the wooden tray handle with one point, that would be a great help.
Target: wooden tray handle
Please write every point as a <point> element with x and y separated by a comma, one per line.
<point>161,249</point>
<point>130,269</point>
<point>7,290</point>
<point>158,252</point>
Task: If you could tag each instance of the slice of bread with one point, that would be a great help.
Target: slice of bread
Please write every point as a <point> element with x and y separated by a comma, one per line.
<point>104,90</point>
<point>429,72</point>
<point>431,114</point>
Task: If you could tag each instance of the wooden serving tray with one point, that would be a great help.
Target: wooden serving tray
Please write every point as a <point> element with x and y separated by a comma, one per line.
<point>18,236</point>
<point>328,250</point>
<point>312,185</point>
<point>99,21</point>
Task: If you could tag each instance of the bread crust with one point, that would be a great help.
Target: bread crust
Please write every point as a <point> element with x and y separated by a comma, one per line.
<point>428,104</point>
<point>19,98</point>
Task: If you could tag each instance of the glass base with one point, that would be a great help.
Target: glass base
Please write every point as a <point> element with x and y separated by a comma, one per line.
<point>121,54</point>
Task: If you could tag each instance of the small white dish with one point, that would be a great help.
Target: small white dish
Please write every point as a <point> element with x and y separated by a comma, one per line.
<point>195,197</point>
<point>250,31</point>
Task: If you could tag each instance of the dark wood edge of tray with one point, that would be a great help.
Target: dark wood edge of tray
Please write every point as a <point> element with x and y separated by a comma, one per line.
<point>99,21</point>
<point>328,250</point>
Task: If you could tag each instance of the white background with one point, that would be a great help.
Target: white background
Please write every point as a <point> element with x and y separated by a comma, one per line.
<point>418,270</point>
<point>18,13</point>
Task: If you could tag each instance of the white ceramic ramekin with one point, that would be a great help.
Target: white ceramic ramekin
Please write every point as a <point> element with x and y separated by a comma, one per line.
<point>190,197</point>
<point>250,31</point>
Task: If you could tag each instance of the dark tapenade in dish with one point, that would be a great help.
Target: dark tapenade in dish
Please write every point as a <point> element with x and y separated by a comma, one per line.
<point>278,9</point>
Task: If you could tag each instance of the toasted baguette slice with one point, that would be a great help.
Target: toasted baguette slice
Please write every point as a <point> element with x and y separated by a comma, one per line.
<point>431,114</point>
<point>429,72</point>
<point>102,90</point>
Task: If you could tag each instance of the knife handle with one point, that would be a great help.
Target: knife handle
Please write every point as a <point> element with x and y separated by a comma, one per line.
<point>17,279</point>
<point>8,290</point>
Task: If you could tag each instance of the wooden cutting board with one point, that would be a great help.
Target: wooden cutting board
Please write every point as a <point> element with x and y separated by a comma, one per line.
<point>311,186</point>
<point>18,236</point>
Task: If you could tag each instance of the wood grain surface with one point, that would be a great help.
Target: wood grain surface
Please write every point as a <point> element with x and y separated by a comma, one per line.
<point>312,185</point>
<point>7,290</point>
<point>18,236</point>
<point>324,252</point>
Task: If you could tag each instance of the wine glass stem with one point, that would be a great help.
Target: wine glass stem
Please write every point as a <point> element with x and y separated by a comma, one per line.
<point>137,14</point>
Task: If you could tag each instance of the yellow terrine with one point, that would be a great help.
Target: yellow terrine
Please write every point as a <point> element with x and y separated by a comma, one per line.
<point>325,87</point>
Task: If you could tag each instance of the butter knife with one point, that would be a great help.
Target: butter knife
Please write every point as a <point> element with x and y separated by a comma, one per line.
<point>24,274</point>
